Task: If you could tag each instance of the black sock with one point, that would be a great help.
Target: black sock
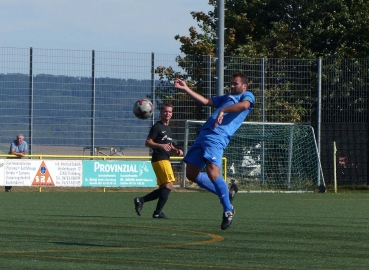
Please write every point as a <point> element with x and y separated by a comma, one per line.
<point>162,199</point>
<point>152,195</point>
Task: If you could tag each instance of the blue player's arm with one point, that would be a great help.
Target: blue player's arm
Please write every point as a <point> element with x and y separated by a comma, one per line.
<point>195,96</point>
<point>237,107</point>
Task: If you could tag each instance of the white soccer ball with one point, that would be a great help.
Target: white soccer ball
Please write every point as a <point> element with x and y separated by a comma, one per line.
<point>143,109</point>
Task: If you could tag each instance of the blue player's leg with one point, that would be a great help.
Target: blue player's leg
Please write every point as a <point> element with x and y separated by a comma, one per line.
<point>203,181</point>
<point>223,194</point>
<point>220,185</point>
<point>201,153</point>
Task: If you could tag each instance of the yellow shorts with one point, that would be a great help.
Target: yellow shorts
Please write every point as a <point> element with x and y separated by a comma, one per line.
<point>163,171</point>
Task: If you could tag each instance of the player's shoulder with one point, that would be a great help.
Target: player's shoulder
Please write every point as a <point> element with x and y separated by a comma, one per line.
<point>155,127</point>
<point>249,96</point>
<point>157,124</point>
<point>160,126</point>
<point>248,93</point>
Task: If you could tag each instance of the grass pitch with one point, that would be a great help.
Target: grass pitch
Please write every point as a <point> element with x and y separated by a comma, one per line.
<point>96,230</point>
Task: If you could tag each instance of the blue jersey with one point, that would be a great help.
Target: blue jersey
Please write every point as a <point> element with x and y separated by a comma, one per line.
<point>231,121</point>
<point>18,148</point>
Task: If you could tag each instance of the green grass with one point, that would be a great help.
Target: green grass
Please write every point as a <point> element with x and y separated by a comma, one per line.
<point>93,230</point>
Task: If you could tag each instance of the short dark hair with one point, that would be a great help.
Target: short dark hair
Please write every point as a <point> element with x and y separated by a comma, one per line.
<point>166,105</point>
<point>243,77</point>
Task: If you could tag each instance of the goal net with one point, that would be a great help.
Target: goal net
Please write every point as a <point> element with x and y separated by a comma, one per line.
<point>274,157</point>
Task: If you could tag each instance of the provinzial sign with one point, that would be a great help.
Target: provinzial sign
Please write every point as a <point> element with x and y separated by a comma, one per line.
<point>101,173</point>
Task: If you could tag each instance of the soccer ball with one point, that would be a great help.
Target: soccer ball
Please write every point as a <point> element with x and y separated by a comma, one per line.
<point>143,109</point>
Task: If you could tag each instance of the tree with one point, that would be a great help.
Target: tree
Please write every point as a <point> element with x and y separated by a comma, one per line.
<point>287,28</point>
<point>274,29</point>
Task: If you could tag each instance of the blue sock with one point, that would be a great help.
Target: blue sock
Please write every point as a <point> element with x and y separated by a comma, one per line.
<point>204,182</point>
<point>222,191</point>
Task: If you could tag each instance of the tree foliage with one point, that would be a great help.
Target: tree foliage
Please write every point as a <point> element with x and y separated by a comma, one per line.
<point>274,29</point>
<point>284,28</point>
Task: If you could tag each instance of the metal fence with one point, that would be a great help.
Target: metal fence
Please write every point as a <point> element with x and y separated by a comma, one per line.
<point>80,102</point>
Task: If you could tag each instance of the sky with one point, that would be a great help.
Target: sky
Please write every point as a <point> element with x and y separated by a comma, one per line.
<point>142,26</point>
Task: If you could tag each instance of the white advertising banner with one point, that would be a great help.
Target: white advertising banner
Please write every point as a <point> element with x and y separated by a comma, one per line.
<point>2,172</point>
<point>29,172</point>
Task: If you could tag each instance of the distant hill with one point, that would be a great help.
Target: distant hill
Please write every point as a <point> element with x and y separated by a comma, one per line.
<point>63,110</point>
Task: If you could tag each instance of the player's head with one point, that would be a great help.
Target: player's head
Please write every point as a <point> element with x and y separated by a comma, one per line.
<point>20,137</point>
<point>242,76</point>
<point>239,83</point>
<point>166,112</point>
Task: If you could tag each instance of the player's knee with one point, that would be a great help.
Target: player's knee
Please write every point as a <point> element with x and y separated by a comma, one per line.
<point>192,173</point>
<point>213,176</point>
<point>212,172</point>
<point>168,185</point>
<point>191,176</point>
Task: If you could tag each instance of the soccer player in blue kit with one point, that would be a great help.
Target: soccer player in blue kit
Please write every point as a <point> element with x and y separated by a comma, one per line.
<point>207,151</point>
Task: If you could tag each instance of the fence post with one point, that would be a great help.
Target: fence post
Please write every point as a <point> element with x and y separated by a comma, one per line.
<point>208,85</point>
<point>319,111</point>
<point>30,121</point>
<point>153,85</point>
<point>220,48</point>
<point>263,89</point>
<point>93,105</point>
<point>263,117</point>
<point>185,149</point>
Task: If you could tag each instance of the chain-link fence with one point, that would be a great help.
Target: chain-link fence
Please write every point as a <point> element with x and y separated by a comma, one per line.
<point>79,102</point>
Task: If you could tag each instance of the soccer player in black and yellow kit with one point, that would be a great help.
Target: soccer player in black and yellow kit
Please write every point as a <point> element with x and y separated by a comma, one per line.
<point>160,140</point>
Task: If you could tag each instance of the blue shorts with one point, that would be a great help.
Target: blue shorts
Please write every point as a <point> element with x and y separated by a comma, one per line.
<point>206,147</point>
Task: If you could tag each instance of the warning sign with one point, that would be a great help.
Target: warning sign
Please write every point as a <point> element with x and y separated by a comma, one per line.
<point>43,177</point>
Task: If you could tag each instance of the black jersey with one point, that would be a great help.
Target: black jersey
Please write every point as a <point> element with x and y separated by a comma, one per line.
<point>161,134</point>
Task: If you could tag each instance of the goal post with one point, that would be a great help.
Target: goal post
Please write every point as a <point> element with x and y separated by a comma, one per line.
<point>269,157</point>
